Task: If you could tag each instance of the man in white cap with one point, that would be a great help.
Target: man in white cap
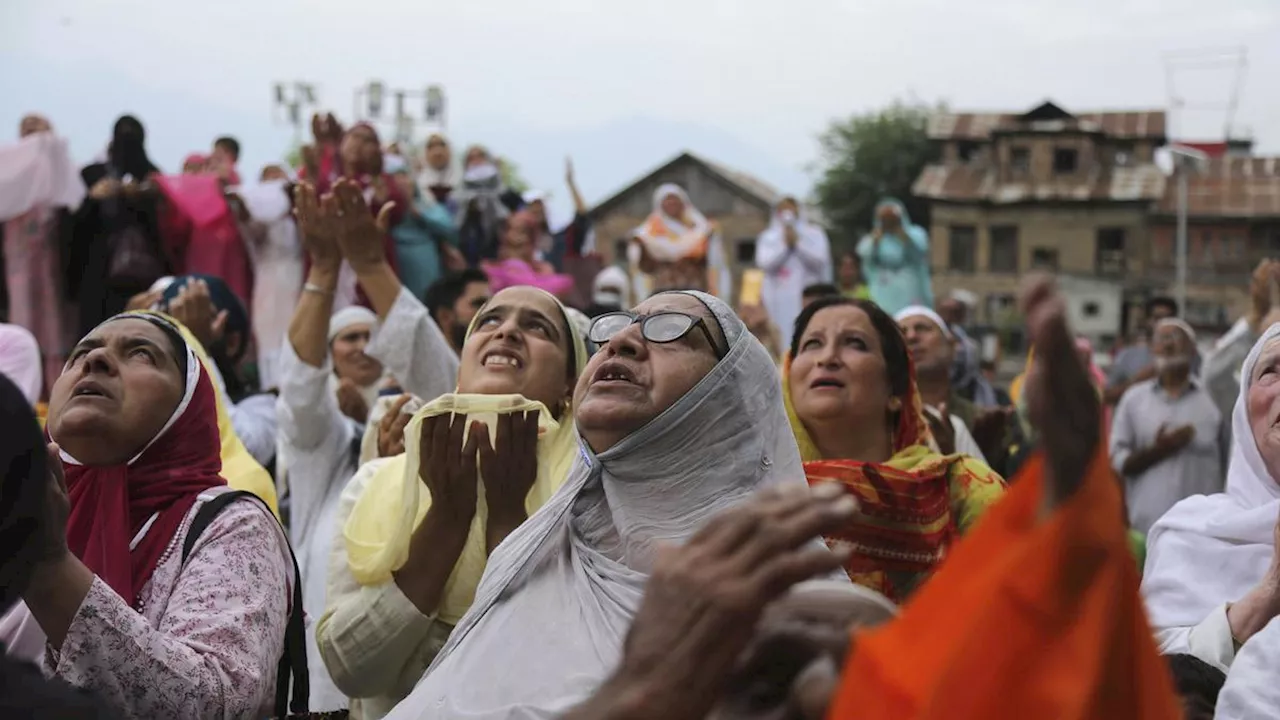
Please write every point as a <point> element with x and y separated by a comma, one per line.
<point>1166,434</point>
<point>932,347</point>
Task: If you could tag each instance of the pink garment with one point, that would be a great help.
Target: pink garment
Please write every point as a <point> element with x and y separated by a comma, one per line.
<point>212,244</point>
<point>20,360</point>
<point>33,273</point>
<point>512,271</point>
<point>1085,347</point>
<point>36,172</point>
<point>205,638</point>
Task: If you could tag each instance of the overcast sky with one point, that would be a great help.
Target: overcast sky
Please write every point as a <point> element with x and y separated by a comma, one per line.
<point>621,85</point>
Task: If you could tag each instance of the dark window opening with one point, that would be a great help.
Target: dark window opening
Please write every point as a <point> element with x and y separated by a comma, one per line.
<point>747,251</point>
<point>1044,259</point>
<point>1109,257</point>
<point>963,248</point>
<point>1064,161</point>
<point>1004,249</point>
<point>967,150</point>
<point>1020,160</point>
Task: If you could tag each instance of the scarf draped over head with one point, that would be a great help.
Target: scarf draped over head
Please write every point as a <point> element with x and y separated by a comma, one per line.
<point>442,179</point>
<point>20,360</point>
<point>127,154</point>
<point>570,579</point>
<point>123,517</point>
<point>610,288</point>
<point>668,239</point>
<point>239,468</point>
<point>23,479</point>
<point>382,522</point>
<point>1210,550</point>
<point>908,509</point>
<point>38,172</point>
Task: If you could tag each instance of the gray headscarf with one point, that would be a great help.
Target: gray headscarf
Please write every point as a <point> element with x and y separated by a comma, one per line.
<point>559,594</point>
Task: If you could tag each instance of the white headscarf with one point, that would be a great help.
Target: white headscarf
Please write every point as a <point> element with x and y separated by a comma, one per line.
<point>610,287</point>
<point>567,583</point>
<point>1213,549</point>
<point>20,360</point>
<point>675,238</point>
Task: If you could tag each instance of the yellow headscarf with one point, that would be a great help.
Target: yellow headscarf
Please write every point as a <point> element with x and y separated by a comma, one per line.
<point>239,468</point>
<point>382,523</point>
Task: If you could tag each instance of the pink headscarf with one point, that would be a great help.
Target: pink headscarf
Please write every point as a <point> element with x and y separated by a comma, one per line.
<point>20,360</point>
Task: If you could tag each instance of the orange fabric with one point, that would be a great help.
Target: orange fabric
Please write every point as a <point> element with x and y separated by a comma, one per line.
<point>1026,620</point>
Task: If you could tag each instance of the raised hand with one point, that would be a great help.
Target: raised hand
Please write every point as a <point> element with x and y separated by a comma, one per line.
<point>317,226</point>
<point>391,428</point>
<point>1061,400</point>
<point>193,307</point>
<point>359,235</point>
<point>448,466</point>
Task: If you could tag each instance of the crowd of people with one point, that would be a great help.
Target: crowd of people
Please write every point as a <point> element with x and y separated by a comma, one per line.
<point>377,437</point>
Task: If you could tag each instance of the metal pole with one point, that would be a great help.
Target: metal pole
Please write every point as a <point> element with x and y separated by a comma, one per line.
<point>1180,289</point>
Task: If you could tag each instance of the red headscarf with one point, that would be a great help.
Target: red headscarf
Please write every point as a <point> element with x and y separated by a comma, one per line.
<point>111,505</point>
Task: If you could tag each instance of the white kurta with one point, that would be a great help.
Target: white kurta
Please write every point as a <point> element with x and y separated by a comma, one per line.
<point>789,270</point>
<point>322,445</point>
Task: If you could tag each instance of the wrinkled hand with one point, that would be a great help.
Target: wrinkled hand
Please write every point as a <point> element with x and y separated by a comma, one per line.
<point>359,235</point>
<point>790,236</point>
<point>704,599</point>
<point>509,467</point>
<point>391,428</point>
<point>143,301</point>
<point>105,188</point>
<point>57,508</point>
<point>1174,440</point>
<point>1262,291</point>
<point>1061,400</point>
<point>193,307</point>
<point>317,225</point>
<point>448,466</point>
<point>944,433</point>
<point>989,430</point>
<point>351,402</point>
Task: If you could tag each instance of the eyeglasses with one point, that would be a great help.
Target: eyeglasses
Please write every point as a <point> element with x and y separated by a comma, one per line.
<point>663,327</point>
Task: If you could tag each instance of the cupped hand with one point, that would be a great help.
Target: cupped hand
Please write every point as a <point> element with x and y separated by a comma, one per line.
<point>194,308</point>
<point>317,226</point>
<point>1061,400</point>
<point>448,465</point>
<point>105,188</point>
<point>359,235</point>
<point>509,467</point>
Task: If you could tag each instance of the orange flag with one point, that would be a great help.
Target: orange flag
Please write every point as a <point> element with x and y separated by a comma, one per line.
<point>1027,620</point>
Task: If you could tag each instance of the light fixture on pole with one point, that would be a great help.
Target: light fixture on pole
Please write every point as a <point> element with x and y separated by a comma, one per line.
<point>292,99</point>
<point>1186,160</point>
<point>370,99</point>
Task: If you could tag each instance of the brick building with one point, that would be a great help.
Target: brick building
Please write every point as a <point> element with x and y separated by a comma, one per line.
<point>739,203</point>
<point>1233,222</point>
<point>1045,189</point>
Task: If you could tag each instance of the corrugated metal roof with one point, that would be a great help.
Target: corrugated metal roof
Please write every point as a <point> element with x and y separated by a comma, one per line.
<point>1229,187</point>
<point>973,183</point>
<point>1123,124</point>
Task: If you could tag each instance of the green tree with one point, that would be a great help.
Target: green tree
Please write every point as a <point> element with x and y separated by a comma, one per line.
<point>511,176</point>
<point>867,157</point>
